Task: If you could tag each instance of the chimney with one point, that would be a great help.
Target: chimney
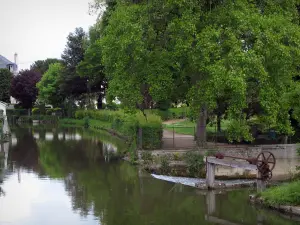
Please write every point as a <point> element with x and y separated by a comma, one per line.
<point>16,64</point>
<point>16,58</point>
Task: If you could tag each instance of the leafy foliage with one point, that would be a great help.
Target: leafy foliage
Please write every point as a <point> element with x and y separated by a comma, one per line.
<point>71,84</point>
<point>23,87</point>
<point>127,125</point>
<point>5,78</point>
<point>49,85</point>
<point>92,69</point>
<point>42,66</point>
<point>195,163</point>
<point>238,59</point>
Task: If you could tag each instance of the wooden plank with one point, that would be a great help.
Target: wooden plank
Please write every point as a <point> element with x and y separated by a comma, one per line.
<point>210,175</point>
<point>231,163</point>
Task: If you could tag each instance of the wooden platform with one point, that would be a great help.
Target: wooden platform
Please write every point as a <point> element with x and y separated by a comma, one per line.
<point>231,163</point>
<point>211,163</point>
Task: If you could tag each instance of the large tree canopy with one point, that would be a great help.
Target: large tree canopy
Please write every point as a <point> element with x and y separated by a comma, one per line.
<point>5,78</point>
<point>49,85</point>
<point>23,87</point>
<point>244,54</point>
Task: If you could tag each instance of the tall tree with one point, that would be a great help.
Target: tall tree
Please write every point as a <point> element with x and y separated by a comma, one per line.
<point>71,83</point>
<point>42,66</point>
<point>92,69</point>
<point>48,86</point>
<point>5,78</point>
<point>23,87</point>
<point>244,53</point>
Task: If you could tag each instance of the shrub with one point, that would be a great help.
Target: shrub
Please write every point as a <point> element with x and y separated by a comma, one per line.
<point>147,156</point>
<point>35,111</point>
<point>195,163</point>
<point>165,164</point>
<point>49,111</point>
<point>129,124</point>
<point>176,156</point>
<point>86,122</point>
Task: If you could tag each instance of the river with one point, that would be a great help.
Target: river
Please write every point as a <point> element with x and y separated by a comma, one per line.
<point>67,176</point>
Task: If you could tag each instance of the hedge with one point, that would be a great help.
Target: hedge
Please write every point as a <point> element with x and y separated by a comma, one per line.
<point>16,112</point>
<point>128,125</point>
<point>50,111</point>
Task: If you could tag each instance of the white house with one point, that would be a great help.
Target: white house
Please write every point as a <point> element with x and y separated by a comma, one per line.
<point>12,67</point>
<point>6,64</point>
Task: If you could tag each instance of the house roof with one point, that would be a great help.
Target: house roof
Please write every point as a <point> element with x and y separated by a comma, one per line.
<point>4,62</point>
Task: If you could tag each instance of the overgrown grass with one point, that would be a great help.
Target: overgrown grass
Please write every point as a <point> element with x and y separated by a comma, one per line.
<point>189,127</point>
<point>287,194</point>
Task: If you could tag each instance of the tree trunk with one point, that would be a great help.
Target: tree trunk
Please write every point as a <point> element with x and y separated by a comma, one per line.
<point>201,127</point>
<point>99,102</point>
<point>219,123</point>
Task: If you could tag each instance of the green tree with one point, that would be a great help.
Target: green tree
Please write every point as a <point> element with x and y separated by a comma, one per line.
<point>241,53</point>
<point>48,86</point>
<point>5,77</point>
<point>137,69</point>
<point>71,84</point>
<point>42,66</point>
<point>92,69</point>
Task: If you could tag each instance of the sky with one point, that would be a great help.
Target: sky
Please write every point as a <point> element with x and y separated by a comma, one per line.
<point>37,29</point>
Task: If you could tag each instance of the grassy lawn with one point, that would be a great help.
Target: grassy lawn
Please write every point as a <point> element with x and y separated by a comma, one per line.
<point>287,194</point>
<point>188,127</point>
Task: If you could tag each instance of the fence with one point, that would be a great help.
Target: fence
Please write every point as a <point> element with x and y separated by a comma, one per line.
<point>183,137</point>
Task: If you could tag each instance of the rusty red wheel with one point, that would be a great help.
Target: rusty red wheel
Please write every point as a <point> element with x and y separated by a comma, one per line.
<point>265,162</point>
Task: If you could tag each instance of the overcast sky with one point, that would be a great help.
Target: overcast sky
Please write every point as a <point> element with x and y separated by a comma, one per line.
<point>37,29</point>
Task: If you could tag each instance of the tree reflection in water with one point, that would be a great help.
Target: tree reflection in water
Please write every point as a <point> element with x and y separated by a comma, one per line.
<point>115,193</point>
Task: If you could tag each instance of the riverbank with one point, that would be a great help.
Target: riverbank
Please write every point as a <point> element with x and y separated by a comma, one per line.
<point>284,198</point>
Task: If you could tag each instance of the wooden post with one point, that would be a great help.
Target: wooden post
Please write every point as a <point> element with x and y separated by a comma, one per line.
<point>140,137</point>
<point>173,137</point>
<point>210,175</point>
<point>260,184</point>
<point>211,202</point>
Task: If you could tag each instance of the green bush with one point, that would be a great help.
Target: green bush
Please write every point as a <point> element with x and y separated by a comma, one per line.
<point>129,124</point>
<point>147,156</point>
<point>35,111</point>
<point>48,118</point>
<point>86,123</point>
<point>195,163</point>
<point>165,167</point>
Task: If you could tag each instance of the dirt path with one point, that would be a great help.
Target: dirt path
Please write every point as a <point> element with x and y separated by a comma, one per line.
<point>169,122</point>
<point>174,140</point>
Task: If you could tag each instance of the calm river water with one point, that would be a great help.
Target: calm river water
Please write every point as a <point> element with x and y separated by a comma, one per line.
<point>55,176</point>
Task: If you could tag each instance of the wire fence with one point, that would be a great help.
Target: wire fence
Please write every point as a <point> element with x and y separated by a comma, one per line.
<point>184,137</point>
